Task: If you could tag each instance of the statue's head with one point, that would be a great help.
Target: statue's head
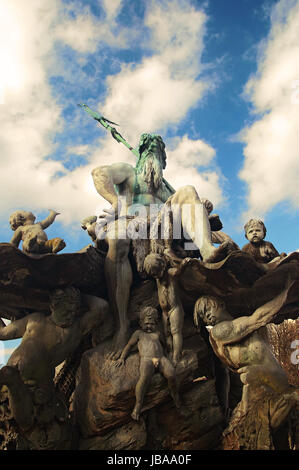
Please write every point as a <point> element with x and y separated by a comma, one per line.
<point>209,309</point>
<point>152,159</point>
<point>19,218</point>
<point>152,143</point>
<point>65,306</point>
<point>255,230</point>
<point>155,265</point>
<point>87,221</point>
<point>148,319</point>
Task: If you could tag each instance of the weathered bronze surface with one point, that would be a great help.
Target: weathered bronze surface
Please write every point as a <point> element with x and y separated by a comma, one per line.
<point>76,382</point>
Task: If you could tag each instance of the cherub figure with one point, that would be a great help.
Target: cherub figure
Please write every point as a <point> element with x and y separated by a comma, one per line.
<point>261,250</point>
<point>158,267</point>
<point>32,234</point>
<point>241,347</point>
<point>149,341</point>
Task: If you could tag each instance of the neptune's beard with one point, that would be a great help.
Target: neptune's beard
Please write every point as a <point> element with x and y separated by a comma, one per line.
<point>152,172</point>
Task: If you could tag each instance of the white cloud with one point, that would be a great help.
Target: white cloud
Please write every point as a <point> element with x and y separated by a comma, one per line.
<point>271,166</point>
<point>83,31</point>
<point>112,8</point>
<point>148,97</point>
<point>177,31</point>
<point>159,91</point>
<point>190,153</point>
<point>182,168</point>
<point>30,117</point>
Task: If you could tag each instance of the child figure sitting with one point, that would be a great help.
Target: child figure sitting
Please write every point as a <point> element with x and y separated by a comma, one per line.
<point>32,234</point>
<point>261,250</point>
<point>152,357</point>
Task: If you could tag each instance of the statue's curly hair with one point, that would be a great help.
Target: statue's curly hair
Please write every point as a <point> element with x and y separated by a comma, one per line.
<point>203,304</point>
<point>152,258</point>
<point>148,311</point>
<point>18,218</point>
<point>144,142</point>
<point>71,295</point>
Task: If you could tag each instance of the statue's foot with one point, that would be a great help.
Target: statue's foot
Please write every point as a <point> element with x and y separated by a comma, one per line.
<point>58,245</point>
<point>176,359</point>
<point>136,413</point>
<point>218,254</point>
<point>31,245</point>
<point>119,342</point>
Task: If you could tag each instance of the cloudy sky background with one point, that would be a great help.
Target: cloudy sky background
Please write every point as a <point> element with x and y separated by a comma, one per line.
<point>218,80</point>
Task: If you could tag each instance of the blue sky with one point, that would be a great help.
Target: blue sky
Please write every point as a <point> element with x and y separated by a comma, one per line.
<point>219,80</point>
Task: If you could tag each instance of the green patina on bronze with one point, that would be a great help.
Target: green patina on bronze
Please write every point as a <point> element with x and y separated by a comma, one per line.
<point>106,123</point>
<point>142,151</point>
